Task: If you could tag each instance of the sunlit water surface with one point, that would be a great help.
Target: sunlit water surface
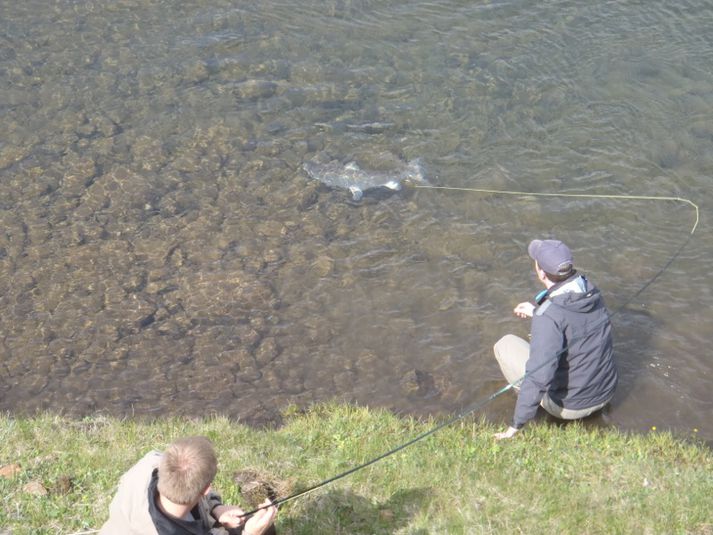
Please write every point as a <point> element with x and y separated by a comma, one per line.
<point>162,251</point>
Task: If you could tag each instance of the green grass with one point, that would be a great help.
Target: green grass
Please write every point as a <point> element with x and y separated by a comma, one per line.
<point>549,479</point>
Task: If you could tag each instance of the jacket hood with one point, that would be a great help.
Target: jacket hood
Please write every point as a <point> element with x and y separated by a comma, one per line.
<point>579,302</point>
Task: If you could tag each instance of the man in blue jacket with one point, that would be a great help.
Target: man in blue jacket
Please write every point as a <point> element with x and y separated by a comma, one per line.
<point>568,366</point>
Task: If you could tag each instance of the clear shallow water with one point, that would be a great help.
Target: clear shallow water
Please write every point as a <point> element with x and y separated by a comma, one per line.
<point>163,252</point>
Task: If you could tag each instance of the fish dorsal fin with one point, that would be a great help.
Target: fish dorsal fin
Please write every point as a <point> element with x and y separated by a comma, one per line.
<point>356,192</point>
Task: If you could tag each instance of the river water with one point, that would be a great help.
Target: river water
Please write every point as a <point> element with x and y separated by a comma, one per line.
<point>162,250</point>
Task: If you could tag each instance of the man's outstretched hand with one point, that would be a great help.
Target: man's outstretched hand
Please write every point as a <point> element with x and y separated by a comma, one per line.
<point>511,432</point>
<point>524,310</point>
<point>232,516</point>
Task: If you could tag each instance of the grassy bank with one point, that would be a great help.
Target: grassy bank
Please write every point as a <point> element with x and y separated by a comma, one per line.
<point>547,480</point>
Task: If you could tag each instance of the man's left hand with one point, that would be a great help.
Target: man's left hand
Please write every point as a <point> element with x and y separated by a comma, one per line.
<point>229,516</point>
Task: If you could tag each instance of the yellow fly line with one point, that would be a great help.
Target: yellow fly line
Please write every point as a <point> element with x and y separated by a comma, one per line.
<point>576,195</point>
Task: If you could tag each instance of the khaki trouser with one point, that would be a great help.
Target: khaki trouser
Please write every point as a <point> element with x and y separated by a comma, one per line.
<point>512,353</point>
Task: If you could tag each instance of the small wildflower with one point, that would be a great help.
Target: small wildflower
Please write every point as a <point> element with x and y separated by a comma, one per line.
<point>653,428</point>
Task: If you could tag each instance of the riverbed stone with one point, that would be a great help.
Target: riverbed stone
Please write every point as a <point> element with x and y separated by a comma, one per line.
<point>104,125</point>
<point>267,351</point>
<point>306,197</point>
<point>271,256</point>
<point>255,89</point>
<point>238,359</point>
<point>78,172</point>
<point>344,381</point>
<point>148,153</point>
<point>271,229</point>
<point>10,154</point>
<point>366,363</point>
<point>323,265</point>
<point>248,336</point>
<point>419,383</point>
<point>248,374</point>
<point>702,129</point>
<point>320,377</point>
<point>449,298</point>
<point>196,72</point>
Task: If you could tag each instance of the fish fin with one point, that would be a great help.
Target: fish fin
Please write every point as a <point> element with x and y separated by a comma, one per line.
<point>393,184</point>
<point>356,192</point>
<point>415,171</point>
<point>309,170</point>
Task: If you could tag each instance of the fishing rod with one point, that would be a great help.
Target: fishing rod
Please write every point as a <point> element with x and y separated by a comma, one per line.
<point>490,398</point>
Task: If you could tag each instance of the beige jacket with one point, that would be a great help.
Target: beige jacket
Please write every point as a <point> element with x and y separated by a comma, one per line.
<point>129,510</point>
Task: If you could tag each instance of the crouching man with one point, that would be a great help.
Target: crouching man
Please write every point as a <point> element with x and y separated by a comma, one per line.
<point>170,493</point>
<point>568,366</point>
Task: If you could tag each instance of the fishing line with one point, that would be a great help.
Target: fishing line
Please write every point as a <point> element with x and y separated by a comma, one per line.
<point>570,195</point>
<point>485,401</point>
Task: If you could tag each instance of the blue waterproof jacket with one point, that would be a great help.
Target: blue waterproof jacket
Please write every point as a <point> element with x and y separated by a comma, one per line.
<point>571,355</point>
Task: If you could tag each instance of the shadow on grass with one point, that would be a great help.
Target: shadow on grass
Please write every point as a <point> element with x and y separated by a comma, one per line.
<point>343,511</point>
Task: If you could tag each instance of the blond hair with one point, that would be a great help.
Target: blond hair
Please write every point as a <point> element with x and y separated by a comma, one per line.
<point>186,469</point>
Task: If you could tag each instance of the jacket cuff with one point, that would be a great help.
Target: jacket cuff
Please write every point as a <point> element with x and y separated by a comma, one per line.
<point>212,501</point>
